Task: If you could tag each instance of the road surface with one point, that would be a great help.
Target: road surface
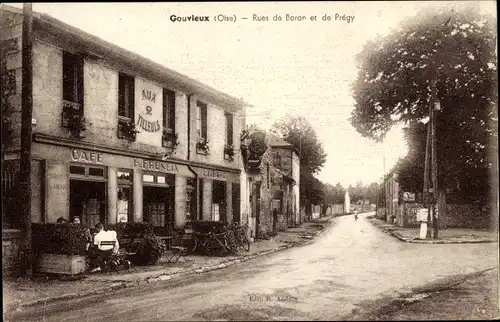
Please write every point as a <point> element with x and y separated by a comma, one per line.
<point>349,265</point>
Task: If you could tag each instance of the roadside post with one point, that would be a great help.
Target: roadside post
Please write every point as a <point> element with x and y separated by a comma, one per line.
<point>422,218</point>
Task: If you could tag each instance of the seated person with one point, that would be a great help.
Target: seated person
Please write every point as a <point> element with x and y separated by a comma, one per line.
<point>61,220</point>
<point>101,252</point>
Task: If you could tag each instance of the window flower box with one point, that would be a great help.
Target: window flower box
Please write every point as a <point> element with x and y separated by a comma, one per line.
<point>202,146</point>
<point>73,119</point>
<point>170,139</point>
<point>229,153</point>
<point>127,129</point>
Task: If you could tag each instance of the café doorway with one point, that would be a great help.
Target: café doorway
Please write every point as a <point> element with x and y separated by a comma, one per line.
<point>159,202</point>
<point>88,201</point>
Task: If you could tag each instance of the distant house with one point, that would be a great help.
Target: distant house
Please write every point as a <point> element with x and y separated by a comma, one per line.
<point>272,183</point>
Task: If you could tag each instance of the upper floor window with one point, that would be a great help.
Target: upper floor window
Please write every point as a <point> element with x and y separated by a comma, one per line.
<point>169,110</point>
<point>126,95</point>
<point>229,129</point>
<point>201,120</point>
<point>277,160</point>
<point>72,78</point>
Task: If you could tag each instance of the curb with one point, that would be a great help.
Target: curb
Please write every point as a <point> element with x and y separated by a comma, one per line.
<point>159,278</point>
<point>421,241</point>
<point>168,276</point>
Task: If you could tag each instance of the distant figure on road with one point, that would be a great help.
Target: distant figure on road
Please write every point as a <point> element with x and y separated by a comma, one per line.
<point>356,215</point>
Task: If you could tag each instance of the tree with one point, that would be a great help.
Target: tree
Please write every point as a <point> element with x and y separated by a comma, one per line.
<point>298,132</point>
<point>456,49</point>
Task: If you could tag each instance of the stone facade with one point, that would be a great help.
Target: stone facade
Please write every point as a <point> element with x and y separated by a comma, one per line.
<point>272,187</point>
<point>101,155</point>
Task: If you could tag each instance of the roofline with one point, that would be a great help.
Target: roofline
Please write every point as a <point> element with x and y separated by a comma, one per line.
<point>143,64</point>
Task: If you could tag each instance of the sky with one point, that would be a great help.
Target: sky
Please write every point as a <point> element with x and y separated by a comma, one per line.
<point>298,68</point>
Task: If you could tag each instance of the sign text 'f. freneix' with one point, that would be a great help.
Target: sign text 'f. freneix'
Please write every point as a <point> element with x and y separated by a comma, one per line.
<point>154,165</point>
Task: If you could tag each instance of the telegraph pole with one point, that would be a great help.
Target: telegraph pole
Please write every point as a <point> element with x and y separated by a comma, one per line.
<point>430,168</point>
<point>26,133</point>
<point>385,192</point>
<point>435,108</point>
<point>426,192</point>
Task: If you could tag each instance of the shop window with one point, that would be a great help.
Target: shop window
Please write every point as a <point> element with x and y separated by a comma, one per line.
<point>124,206</point>
<point>97,172</point>
<point>191,199</point>
<point>125,196</point>
<point>215,212</point>
<point>161,179</point>
<point>124,175</point>
<point>169,110</point>
<point>72,78</point>
<point>148,178</point>
<point>219,199</point>
<point>77,170</point>
<point>236,202</point>
<point>87,171</point>
<point>200,199</point>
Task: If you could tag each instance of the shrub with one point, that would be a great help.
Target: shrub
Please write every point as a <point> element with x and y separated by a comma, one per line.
<point>59,239</point>
<point>131,229</point>
<point>149,251</point>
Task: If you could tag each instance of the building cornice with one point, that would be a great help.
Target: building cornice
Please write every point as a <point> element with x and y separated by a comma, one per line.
<point>69,143</point>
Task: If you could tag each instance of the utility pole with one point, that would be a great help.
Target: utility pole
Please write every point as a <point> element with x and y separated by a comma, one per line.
<point>430,168</point>
<point>384,182</point>
<point>426,187</point>
<point>26,133</point>
<point>435,107</point>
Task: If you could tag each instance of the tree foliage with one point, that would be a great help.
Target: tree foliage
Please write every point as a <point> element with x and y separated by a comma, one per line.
<point>298,132</point>
<point>456,48</point>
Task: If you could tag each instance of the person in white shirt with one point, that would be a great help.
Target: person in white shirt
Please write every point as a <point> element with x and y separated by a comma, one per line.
<point>104,251</point>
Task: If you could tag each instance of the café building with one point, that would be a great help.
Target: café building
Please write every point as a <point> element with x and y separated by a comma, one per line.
<point>116,136</point>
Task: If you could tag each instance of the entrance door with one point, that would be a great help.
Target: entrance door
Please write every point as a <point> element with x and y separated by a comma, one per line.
<point>88,201</point>
<point>159,208</point>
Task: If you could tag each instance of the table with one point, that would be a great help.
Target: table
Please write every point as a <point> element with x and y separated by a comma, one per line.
<point>166,241</point>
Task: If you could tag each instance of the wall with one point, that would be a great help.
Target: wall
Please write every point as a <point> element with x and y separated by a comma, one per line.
<point>216,127</point>
<point>100,103</point>
<point>11,26</point>
<point>10,245</point>
<point>457,216</point>
<point>337,209</point>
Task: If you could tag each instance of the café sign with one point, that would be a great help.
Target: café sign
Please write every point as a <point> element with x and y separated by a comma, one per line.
<point>78,155</point>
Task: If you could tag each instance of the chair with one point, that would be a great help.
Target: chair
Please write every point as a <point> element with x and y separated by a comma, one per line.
<point>111,259</point>
<point>178,249</point>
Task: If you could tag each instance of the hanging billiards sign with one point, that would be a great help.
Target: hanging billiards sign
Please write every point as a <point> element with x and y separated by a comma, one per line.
<point>148,112</point>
